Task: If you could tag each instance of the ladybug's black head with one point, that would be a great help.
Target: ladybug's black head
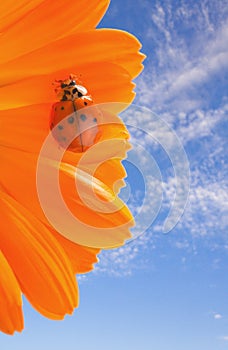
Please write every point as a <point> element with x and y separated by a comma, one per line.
<point>67,83</point>
<point>68,90</point>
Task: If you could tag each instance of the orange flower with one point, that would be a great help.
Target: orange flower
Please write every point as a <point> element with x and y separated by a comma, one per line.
<point>43,40</point>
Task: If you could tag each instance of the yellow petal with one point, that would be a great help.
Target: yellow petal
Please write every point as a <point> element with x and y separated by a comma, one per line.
<point>11,318</point>
<point>42,268</point>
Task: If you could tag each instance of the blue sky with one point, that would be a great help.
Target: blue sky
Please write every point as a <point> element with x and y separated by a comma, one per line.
<point>163,291</point>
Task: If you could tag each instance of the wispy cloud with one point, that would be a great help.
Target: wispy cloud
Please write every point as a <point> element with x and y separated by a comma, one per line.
<point>206,213</point>
<point>123,261</point>
<point>199,123</point>
<point>183,83</point>
<point>205,217</point>
<point>185,58</point>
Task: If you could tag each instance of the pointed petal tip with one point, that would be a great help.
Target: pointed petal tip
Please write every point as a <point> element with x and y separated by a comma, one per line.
<point>11,315</point>
<point>13,329</point>
<point>49,282</point>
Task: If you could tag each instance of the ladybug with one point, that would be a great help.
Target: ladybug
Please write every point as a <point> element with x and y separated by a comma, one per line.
<point>74,126</point>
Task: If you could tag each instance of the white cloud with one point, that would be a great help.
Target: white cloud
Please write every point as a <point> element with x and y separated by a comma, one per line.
<point>225,338</point>
<point>206,214</point>
<point>159,19</point>
<point>217,316</point>
<point>82,278</point>
<point>207,211</point>
<point>213,59</point>
<point>182,245</point>
<point>180,70</point>
<point>183,63</point>
<point>203,217</point>
<point>122,261</point>
<point>199,123</point>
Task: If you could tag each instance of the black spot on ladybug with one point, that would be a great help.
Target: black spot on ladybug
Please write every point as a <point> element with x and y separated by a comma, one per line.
<point>63,85</point>
<point>62,108</point>
<point>64,98</point>
<point>60,127</point>
<point>66,92</point>
<point>72,83</point>
<point>95,120</point>
<point>83,117</point>
<point>75,90</point>
<point>80,94</point>
<point>85,103</point>
<point>70,120</point>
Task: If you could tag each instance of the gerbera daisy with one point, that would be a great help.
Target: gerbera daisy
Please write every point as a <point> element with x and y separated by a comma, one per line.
<point>41,41</point>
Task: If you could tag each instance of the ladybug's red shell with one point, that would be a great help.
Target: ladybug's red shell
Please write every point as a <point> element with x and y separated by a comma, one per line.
<point>70,120</point>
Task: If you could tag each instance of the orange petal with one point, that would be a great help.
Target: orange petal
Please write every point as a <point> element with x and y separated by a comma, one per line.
<point>106,82</point>
<point>111,173</point>
<point>48,21</point>
<point>30,129</point>
<point>101,45</point>
<point>103,161</point>
<point>42,268</point>
<point>88,213</point>
<point>103,219</point>
<point>11,11</point>
<point>18,176</point>
<point>82,258</point>
<point>11,317</point>
<point>25,128</point>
